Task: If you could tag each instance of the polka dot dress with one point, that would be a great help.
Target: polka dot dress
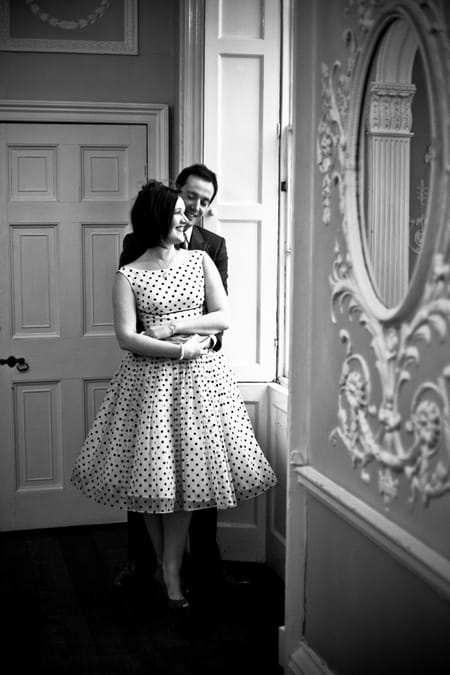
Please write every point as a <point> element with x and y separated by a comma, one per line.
<point>171,435</point>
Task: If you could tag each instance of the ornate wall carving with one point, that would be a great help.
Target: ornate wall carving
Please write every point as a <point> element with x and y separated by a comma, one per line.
<point>390,107</point>
<point>69,24</point>
<point>407,437</point>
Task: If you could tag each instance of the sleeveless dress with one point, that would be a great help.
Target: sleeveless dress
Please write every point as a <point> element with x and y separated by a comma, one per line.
<point>171,435</point>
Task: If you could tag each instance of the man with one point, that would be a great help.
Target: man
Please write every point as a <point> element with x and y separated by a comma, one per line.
<point>198,187</point>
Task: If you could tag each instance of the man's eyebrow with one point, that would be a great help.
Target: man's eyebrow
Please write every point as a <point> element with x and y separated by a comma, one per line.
<point>196,194</point>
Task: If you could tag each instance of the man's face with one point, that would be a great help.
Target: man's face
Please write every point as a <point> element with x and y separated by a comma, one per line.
<point>197,194</point>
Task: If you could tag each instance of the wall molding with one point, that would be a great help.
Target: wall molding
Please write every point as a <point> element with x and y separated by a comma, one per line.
<point>411,552</point>
<point>277,454</point>
<point>189,143</point>
<point>73,27</point>
<point>305,661</point>
<point>154,116</point>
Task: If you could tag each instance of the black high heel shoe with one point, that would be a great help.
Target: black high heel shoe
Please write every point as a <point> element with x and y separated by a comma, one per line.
<point>179,604</point>
<point>172,603</point>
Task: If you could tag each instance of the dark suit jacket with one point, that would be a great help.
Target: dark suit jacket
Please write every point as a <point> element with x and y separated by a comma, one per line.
<point>202,240</point>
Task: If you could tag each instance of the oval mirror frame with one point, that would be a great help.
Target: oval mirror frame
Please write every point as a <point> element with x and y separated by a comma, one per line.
<point>433,51</point>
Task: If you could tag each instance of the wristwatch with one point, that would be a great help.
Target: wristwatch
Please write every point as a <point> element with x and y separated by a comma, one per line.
<point>172,328</point>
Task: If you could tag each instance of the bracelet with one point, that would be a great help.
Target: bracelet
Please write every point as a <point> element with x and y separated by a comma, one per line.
<point>181,357</point>
<point>172,328</point>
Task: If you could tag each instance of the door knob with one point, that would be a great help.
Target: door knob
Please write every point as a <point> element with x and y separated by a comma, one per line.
<point>12,361</point>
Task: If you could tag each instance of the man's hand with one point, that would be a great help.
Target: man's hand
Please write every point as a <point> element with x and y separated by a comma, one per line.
<point>195,346</point>
<point>206,341</point>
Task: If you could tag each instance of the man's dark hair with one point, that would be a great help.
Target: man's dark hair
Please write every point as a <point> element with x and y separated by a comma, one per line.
<point>199,170</point>
<point>151,213</point>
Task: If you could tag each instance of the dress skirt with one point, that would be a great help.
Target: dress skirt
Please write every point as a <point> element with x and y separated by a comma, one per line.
<point>171,435</point>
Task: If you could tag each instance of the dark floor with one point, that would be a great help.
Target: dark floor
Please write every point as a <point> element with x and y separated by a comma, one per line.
<point>63,615</point>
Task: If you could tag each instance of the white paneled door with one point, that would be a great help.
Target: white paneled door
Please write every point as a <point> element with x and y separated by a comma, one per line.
<point>66,192</point>
<point>242,114</point>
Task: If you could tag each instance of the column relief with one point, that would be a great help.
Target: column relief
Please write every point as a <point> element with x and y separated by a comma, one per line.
<point>389,132</point>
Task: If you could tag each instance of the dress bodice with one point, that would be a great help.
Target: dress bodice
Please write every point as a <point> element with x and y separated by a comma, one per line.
<point>177,292</point>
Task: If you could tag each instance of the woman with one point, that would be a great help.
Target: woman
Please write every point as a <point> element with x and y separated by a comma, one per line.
<point>172,434</point>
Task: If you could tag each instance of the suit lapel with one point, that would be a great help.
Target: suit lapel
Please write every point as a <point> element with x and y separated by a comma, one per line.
<point>197,241</point>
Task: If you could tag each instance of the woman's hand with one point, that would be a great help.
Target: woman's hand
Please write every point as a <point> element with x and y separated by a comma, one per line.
<point>167,332</point>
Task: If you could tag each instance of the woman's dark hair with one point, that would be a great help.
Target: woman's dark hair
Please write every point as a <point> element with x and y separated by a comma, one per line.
<point>151,213</point>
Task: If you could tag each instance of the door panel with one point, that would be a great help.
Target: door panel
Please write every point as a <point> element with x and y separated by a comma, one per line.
<point>67,190</point>
<point>242,83</point>
<point>241,531</point>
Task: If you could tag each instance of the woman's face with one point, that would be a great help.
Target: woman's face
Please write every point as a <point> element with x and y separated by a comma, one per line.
<point>178,224</point>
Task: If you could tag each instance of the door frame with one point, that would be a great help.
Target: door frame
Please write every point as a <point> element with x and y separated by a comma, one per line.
<point>154,116</point>
<point>189,114</point>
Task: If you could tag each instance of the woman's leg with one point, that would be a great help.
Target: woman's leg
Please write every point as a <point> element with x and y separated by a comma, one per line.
<point>154,525</point>
<point>175,529</point>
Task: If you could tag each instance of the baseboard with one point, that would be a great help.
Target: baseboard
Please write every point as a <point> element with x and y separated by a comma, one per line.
<point>305,661</point>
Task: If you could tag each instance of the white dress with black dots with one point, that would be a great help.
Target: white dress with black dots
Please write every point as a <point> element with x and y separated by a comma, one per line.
<point>171,435</point>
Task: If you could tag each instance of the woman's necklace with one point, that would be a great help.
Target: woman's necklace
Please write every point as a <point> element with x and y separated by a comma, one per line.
<point>164,262</point>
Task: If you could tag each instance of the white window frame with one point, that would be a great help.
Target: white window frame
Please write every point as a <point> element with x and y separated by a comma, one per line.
<point>285,246</point>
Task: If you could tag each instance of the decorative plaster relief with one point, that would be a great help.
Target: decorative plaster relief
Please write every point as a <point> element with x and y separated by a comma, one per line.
<point>417,225</point>
<point>65,24</point>
<point>390,107</point>
<point>336,81</point>
<point>379,431</point>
